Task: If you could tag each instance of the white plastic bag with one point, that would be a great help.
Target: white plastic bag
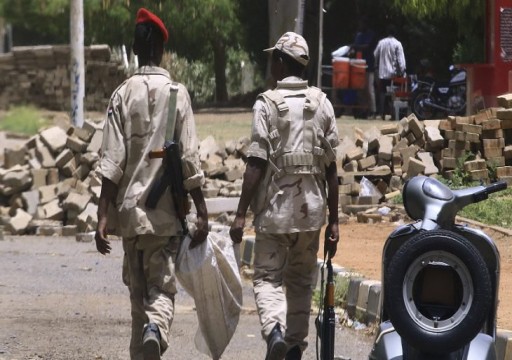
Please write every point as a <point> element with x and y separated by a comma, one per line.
<point>368,189</point>
<point>209,273</point>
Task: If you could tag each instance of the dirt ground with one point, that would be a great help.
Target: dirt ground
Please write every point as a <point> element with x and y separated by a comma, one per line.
<point>361,246</point>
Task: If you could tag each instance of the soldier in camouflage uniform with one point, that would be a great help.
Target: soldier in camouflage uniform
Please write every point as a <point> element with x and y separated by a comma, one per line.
<point>290,161</point>
<point>135,125</point>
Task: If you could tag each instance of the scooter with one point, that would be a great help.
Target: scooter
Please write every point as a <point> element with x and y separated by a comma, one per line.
<point>440,280</point>
<point>429,97</point>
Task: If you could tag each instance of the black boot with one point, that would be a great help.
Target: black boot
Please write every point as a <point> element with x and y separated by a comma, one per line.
<point>295,353</point>
<point>151,342</point>
<point>276,347</point>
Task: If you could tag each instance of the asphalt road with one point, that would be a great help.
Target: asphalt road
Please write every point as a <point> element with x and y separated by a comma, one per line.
<point>60,299</point>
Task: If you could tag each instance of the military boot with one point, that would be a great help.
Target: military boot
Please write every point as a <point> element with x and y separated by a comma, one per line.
<point>276,347</point>
<point>151,342</point>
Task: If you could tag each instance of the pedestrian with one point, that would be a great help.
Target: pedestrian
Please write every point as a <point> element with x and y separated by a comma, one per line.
<point>364,43</point>
<point>390,62</point>
<point>136,123</point>
<point>291,159</point>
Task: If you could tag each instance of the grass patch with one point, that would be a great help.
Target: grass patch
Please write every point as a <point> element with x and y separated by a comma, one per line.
<point>493,211</point>
<point>23,120</point>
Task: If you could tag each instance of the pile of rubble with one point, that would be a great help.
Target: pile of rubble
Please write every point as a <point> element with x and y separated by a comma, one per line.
<point>374,165</point>
<point>49,185</point>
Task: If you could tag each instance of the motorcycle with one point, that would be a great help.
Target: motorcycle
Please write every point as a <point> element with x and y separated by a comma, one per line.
<point>429,96</point>
<point>440,279</point>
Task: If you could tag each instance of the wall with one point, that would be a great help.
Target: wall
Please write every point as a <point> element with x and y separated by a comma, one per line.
<point>39,75</point>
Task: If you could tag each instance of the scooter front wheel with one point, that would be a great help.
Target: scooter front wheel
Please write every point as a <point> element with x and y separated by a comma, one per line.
<point>437,291</point>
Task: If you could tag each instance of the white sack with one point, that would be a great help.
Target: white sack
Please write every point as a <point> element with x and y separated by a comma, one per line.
<point>209,273</point>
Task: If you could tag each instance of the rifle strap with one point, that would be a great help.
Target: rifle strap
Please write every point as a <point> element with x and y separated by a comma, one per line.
<point>171,115</point>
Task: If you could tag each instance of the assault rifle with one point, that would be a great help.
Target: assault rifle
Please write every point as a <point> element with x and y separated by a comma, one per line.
<point>326,319</point>
<point>172,179</point>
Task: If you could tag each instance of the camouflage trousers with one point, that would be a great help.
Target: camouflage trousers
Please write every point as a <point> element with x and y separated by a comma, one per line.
<point>148,271</point>
<point>284,274</point>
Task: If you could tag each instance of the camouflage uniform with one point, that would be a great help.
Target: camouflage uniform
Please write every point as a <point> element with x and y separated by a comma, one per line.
<point>136,124</point>
<point>288,227</point>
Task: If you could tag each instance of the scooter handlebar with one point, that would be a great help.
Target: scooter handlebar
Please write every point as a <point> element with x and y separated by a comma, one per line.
<point>489,189</point>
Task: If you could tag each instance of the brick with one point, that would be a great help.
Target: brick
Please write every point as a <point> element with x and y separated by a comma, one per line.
<point>449,134</point>
<point>38,177</point>
<point>385,148</point>
<point>496,161</point>
<point>76,202</point>
<point>364,218</point>
<point>446,125</point>
<point>415,126</point>
<point>476,175</point>
<point>472,137</point>
<point>84,237</point>
<point>472,165</point>
<point>52,210</point>
<point>69,230</point>
<point>493,152</point>
<point>18,224</point>
<point>433,137</point>
<point>415,167</point>
<point>54,138</point>
<point>493,134</point>
<point>44,155</point>
<point>507,152</point>
<point>367,162</point>
<point>30,201</point>
<point>53,176</point>
<point>355,154</point>
<point>76,145</point>
<point>48,193</point>
<point>504,114</point>
<point>482,116</point>
<point>470,128</point>
<point>389,129</point>
<point>16,156</point>
<point>427,160</point>
<point>464,120</point>
<point>504,100</point>
<point>63,158</point>
<point>96,141</point>
<point>493,143</point>
<point>504,171</point>
<point>491,124</point>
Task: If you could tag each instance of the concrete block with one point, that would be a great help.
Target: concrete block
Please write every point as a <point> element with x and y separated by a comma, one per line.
<point>472,165</point>
<point>385,148</point>
<point>18,224</point>
<point>427,160</point>
<point>507,152</point>
<point>353,295</point>
<point>247,250</point>
<point>503,344</point>
<point>17,178</point>
<point>81,172</point>
<point>367,162</point>
<point>88,218</point>
<point>505,100</point>
<point>491,124</point>
<point>85,237</point>
<point>433,137</point>
<point>53,176</point>
<point>44,155</point>
<point>30,201</point>
<point>47,193</point>
<point>69,230</point>
<point>54,138</point>
<point>95,142</point>
<point>415,167</point>
<point>52,210</point>
<point>362,297</point>
<point>415,126</point>
<point>14,156</point>
<point>355,154</point>
<point>220,205</point>
<point>75,201</point>
<point>49,230</point>
<point>374,304</point>
<point>76,145</point>
<point>89,159</point>
<point>70,167</point>
<point>63,158</point>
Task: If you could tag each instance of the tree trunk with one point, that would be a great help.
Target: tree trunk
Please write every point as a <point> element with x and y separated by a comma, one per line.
<point>219,65</point>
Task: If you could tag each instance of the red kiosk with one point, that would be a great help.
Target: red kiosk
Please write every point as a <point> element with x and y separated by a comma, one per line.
<point>486,81</point>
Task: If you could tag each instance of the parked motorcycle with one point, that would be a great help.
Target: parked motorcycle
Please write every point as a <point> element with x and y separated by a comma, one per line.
<point>440,279</point>
<point>430,97</point>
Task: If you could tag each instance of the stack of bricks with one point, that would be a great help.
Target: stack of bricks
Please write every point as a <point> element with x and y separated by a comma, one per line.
<point>40,75</point>
<point>49,184</point>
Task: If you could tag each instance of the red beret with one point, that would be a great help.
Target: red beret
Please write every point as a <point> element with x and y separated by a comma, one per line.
<point>144,15</point>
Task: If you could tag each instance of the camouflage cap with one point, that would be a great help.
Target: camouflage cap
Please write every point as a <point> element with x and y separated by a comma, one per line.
<point>294,45</point>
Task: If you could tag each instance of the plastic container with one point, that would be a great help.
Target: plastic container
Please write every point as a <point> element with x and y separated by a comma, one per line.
<point>357,74</point>
<point>340,72</point>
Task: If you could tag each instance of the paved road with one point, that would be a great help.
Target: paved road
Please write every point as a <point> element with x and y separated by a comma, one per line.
<point>60,299</point>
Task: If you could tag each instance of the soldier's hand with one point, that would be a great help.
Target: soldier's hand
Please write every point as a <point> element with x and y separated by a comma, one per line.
<point>201,233</point>
<point>332,236</point>
<point>237,229</point>
<point>102,244</point>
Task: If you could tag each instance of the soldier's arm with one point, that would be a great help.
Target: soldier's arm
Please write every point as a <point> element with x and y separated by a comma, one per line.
<point>254,171</point>
<point>107,196</point>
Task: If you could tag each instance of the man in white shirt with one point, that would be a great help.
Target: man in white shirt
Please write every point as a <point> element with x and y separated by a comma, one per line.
<point>390,63</point>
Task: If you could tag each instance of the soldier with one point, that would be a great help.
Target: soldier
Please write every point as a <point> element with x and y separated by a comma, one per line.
<point>290,160</point>
<point>137,119</point>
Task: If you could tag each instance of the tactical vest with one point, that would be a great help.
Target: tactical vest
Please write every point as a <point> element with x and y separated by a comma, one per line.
<point>296,144</point>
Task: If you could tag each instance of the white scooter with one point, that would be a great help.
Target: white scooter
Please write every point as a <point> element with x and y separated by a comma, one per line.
<point>440,280</point>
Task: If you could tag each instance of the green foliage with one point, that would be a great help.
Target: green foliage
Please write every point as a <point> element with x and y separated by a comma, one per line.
<point>22,120</point>
<point>493,211</point>
<point>460,177</point>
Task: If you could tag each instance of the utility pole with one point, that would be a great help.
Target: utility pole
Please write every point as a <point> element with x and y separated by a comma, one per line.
<point>77,71</point>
